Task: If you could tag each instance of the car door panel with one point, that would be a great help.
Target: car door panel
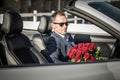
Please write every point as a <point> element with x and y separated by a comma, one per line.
<point>85,71</point>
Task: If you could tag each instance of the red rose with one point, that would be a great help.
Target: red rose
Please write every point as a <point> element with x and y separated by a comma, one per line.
<point>91,47</point>
<point>80,45</point>
<point>78,55</point>
<point>71,52</point>
<point>87,44</point>
<point>91,59</point>
<point>84,49</point>
<point>86,55</point>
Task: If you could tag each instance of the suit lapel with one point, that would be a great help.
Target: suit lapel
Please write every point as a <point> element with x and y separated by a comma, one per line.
<point>64,42</point>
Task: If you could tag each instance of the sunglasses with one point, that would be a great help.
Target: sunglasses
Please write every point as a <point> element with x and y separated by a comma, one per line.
<point>61,24</point>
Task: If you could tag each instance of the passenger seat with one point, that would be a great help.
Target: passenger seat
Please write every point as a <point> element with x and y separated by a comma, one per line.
<point>40,40</point>
<point>18,47</point>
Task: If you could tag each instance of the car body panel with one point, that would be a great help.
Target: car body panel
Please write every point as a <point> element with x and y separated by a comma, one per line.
<point>85,7</point>
<point>88,71</point>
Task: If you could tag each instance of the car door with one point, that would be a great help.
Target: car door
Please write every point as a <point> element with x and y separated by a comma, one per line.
<point>85,71</point>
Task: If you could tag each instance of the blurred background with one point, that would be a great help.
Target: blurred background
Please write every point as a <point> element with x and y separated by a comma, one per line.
<point>27,6</point>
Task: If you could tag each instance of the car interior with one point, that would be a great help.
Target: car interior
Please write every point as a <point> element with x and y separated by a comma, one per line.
<point>18,49</point>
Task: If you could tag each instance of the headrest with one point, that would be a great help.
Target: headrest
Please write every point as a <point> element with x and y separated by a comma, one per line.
<point>81,38</point>
<point>12,23</point>
<point>44,26</point>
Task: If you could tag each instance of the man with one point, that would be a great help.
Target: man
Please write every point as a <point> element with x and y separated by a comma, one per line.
<point>60,41</point>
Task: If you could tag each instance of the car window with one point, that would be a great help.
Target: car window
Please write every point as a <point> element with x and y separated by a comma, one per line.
<point>107,9</point>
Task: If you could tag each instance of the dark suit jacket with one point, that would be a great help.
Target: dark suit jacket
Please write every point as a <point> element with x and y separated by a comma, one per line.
<point>57,47</point>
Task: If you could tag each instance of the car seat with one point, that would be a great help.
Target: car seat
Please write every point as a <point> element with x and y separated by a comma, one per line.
<point>40,40</point>
<point>3,60</point>
<point>18,47</point>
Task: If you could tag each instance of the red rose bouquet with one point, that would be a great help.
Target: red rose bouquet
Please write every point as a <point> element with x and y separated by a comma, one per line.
<point>84,52</point>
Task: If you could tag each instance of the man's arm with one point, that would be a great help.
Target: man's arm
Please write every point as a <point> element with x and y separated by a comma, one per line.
<point>52,47</point>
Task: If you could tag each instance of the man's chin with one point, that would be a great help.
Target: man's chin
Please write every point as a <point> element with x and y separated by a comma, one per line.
<point>64,33</point>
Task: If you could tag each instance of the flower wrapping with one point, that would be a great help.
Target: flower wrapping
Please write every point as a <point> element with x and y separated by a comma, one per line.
<point>84,52</point>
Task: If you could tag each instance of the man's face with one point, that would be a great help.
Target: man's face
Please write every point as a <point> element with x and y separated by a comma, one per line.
<point>60,25</point>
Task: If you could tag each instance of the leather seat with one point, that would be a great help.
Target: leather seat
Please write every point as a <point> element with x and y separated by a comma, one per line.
<point>40,40</point>
<point>3,60</point>
<point>18,47</point>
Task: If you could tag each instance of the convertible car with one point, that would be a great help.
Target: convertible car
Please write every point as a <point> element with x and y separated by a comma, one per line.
<point>23,51</point>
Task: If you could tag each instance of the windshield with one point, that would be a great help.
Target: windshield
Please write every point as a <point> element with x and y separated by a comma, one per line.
<point>107,9</point>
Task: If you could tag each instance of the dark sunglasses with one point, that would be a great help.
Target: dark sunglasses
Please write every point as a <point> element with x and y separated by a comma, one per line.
<point>61,24</point>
